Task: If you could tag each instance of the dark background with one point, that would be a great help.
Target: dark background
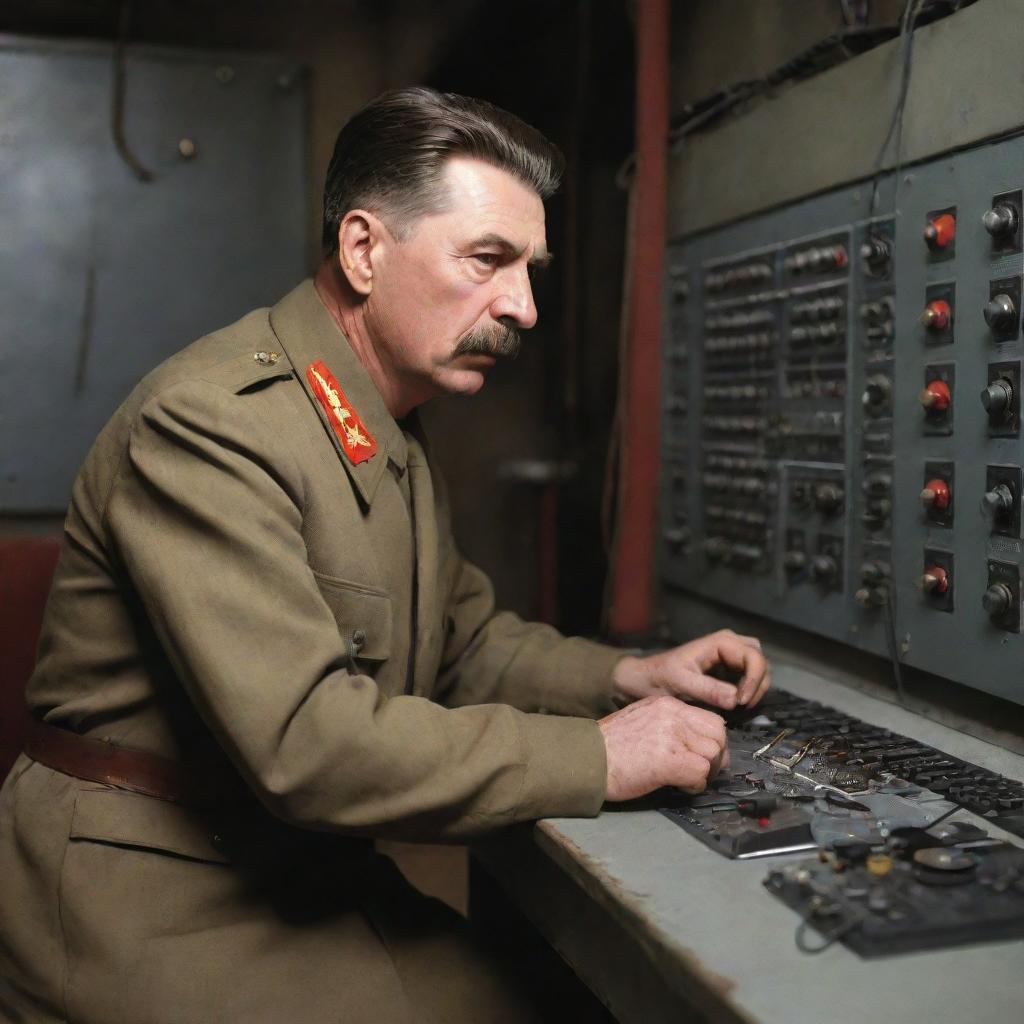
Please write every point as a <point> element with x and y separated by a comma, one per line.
<point>566,66</point>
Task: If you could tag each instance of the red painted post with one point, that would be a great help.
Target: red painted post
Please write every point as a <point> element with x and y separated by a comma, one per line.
<point>632,602</point>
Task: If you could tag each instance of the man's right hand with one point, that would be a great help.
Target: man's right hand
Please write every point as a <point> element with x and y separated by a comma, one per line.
<point>660,741</point>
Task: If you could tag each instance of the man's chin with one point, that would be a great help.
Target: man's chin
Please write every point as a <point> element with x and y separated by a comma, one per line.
<point>463,379</point>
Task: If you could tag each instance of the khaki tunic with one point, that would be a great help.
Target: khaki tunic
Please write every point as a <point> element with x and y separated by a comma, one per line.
<point>221,554</point>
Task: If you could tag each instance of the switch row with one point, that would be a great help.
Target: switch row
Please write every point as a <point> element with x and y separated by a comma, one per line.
<point>828,308</point>
<point>817,259</point>
<point>738,321</point>
<point>738,277</point>
<point>739,343</point>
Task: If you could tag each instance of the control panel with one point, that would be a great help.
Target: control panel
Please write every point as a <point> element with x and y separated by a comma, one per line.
<point>842,417</point>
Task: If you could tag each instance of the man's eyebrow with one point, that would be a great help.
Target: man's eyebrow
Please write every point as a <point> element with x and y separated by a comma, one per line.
<point>539,259</point>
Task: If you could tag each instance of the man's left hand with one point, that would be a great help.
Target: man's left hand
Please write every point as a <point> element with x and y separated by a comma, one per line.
<point>681,672</point>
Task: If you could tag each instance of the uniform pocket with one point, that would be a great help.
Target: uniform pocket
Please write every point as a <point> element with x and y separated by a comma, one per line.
<point>128,819</point>
<point>364,616</point>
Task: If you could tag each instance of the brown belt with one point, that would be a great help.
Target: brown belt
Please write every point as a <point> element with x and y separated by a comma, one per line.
<point>97,761</point>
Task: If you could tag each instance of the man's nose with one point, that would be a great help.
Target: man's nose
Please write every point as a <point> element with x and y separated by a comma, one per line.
<point>515,301</point>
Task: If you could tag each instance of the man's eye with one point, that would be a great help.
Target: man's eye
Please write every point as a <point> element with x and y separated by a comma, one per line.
<point>488,259</point>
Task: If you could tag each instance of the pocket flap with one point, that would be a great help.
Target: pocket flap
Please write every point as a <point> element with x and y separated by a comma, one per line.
<point>364,616</point>
<point>130,819</point>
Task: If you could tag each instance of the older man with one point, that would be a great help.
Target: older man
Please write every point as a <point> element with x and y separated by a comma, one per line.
<point>263,649</point>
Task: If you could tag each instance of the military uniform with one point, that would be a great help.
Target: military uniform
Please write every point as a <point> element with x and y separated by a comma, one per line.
<point>293,625</point>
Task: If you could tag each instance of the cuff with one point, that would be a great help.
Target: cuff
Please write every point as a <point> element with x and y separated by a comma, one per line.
<point>566,768</point>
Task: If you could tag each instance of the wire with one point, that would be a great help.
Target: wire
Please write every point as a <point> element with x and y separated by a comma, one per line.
<point>907,24</point>
<point>890,636</point>
<point>118,99</point>
<point>831,938</point>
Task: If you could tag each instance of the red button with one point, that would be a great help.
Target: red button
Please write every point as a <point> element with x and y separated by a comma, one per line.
<point>936,396</point>
<point>935,580</point>
<point>936,494</point>
<point>941,230</point>
<point>936,315</point>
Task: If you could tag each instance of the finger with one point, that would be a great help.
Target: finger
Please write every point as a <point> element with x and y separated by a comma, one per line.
<point>708,723</point>
<point>754,670</point>
<point>750,641</point>
<point>727,649</point>
<point>720,763</point>
<point>762,689</point>
<point>697,686</point>
<point>705,746</point>
<point>691,774</point>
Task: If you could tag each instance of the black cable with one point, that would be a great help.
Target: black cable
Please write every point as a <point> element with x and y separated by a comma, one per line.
<point>118,99</point>
<point>820,56</point>
<point>890,636</point>
<point>907,25</point>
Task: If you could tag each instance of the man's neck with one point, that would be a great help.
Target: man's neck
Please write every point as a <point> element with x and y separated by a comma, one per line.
<point>347,311</point>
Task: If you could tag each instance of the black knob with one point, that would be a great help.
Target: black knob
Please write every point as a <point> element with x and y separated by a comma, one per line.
<point>877,482</point>
<point>875,252</point>
<point>828,497</point>
<point>677,537</point>
<point>716,548</point>
<point>1001,220</point>
<point>998,399</point>
<point>998,503</point>
<point>997,599</point>
<point>794,561</point>
<point>1001,313</point>
<point>873,572</point>
<point>872,597</point>
<point>876,513</point>
<point>824,568</point>
<point>877,389</point>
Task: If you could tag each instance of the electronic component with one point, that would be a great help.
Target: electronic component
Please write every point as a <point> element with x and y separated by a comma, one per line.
<point>831,773</point>
<point>909,898</point>
<point>812,445</point>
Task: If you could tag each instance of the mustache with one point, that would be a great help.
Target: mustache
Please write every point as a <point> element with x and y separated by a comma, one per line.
<point>501,341</point>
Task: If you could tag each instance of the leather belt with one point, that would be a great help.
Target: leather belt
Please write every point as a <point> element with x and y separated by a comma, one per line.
<point>97,761</point>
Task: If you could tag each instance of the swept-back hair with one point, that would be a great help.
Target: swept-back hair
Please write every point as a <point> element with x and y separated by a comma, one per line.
<point>389,158</point>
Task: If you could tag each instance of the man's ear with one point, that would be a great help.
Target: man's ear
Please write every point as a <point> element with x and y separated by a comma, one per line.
<point>358,235</point>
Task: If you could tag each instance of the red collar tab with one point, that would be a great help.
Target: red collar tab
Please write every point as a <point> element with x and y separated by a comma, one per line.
<point>359,444</point>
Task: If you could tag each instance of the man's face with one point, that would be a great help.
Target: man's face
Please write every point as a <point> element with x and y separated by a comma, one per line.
<point>446,302</point>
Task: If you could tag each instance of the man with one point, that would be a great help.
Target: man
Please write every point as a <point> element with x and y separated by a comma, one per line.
<point>262,649</point>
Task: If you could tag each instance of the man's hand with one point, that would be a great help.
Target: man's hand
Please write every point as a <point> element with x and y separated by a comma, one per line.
<point>680,672</point>
<point>660,741</point>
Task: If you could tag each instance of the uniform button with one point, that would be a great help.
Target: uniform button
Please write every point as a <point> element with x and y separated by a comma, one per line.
<point>266,358</point>
<point>359,637</point>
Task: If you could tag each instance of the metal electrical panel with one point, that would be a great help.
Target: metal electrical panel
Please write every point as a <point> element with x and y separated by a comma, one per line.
<point>842,419</point>
<point>102,276</point>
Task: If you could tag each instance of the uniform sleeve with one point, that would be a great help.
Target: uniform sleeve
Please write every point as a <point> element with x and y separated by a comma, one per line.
<point>205,516</point>
<point>496,656</point>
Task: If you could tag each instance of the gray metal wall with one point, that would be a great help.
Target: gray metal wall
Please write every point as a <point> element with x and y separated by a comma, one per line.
<point>103,276</point>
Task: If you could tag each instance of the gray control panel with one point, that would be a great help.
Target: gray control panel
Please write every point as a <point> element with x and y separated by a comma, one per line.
<point>841,434</point>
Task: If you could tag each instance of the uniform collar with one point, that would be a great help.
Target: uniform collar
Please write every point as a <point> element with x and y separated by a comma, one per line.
<point>308,333</point>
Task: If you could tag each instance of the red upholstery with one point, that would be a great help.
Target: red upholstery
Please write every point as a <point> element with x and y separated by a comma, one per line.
<point>26,571</point>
